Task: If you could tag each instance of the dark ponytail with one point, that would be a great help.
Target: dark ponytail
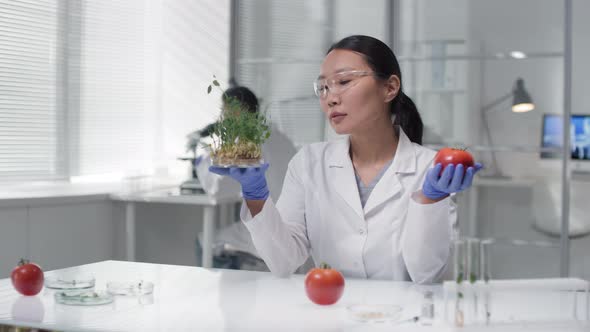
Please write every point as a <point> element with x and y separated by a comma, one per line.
<point>407,116</point>
<point>384,63</point>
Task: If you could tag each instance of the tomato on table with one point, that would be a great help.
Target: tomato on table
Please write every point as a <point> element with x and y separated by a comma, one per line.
<point>324,285</point>
<point>27,278</point>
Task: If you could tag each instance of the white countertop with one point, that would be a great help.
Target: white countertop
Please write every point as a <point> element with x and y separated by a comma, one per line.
<point>196,299</point>
<point>58,192</point>
<point>173,196</point>
<point>52,192</point>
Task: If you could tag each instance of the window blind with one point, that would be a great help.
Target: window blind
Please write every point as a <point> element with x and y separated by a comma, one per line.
<point>106,87</point>
<point>112,117</point>
<point>30,94</point>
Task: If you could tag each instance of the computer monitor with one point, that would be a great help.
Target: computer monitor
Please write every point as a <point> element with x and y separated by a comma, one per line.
<point>552,137</point>
<point>547,197</point>
<point>552,140</point>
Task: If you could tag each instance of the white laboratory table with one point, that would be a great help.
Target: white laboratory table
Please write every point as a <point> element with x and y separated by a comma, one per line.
<point>198,299</point>
<point>172,196</point>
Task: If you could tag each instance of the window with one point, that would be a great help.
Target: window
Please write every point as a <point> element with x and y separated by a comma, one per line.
<point>31,117</point>
<point>106,87</point>
<point>111,61</point>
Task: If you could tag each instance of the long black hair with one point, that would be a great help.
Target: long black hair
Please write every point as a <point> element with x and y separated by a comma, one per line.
<point>240,93</point>
<point>384,63</point>
<point>244,95</point>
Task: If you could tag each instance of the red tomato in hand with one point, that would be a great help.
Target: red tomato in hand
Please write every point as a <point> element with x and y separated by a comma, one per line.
<point>446,156</point>
<point>324,285</point>
<point>27,278</point>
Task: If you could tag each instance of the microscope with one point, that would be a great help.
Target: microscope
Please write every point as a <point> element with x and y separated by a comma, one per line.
<point>193,186</point>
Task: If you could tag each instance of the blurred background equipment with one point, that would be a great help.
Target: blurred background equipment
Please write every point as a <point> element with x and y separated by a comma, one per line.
<point>193,185</point>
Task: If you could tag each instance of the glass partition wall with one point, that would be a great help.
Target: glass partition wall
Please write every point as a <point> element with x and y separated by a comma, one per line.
<point>466,64</point>
<point>488,76</point>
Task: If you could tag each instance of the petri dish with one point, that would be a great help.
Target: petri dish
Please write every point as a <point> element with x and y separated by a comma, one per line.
<point>131,288</point>
<point>242,163</point>
<point>374,312</point>
<point>84,299</point>
<point>70,284</point>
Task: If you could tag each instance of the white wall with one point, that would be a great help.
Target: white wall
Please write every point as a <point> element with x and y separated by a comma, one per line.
<point>13,238</point>
<point>165,233</point>
<point>56,235</point>
<point>70,234</point>
<point>356,18</point>
<point>83,231</point>
<point>581,54</point>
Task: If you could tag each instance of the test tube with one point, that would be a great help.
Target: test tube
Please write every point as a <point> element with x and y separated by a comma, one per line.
<point>473,269</point>
<point>485,251</point>
<point>485,259</point>
<point>459,264</point>
<point>459,260</point>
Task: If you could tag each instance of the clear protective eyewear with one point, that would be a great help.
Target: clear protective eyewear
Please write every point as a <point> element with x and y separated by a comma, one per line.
<point>339,82</point>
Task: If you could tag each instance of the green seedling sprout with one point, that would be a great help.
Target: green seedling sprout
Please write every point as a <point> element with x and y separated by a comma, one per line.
<point>239,134</point>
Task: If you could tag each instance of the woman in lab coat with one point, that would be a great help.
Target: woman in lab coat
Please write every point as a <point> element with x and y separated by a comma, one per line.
<point>369,205</point>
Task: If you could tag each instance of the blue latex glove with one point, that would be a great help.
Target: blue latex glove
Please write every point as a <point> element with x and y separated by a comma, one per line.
<point>452,180</point>
<point>251,179</point>
<point>198,160</point>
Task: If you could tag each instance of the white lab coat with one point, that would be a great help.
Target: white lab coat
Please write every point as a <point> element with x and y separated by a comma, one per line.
<point>319,213</point>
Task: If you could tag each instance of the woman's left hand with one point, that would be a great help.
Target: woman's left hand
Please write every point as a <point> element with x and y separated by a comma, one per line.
<point>453,179</point>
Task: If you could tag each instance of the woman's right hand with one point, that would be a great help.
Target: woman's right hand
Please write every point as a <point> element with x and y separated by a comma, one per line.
<point>251,179</point>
